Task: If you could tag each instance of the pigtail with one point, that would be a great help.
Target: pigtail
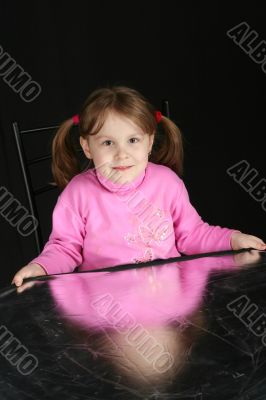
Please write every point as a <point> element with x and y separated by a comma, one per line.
<point>65,164</point>
<point>168,146</point>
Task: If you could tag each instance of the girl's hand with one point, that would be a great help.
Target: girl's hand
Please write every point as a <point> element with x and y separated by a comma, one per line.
<point>28,271</point>
<point>240,240</point>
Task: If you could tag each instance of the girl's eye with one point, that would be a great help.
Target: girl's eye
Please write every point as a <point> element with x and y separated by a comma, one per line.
<point>106,141</point>
<point>111,140</point>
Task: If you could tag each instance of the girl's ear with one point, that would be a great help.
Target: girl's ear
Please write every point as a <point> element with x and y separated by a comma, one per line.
<point>85,146</point>
<point>151,140</point>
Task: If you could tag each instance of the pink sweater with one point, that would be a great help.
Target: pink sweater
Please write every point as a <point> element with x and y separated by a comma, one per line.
<point>98,223</point>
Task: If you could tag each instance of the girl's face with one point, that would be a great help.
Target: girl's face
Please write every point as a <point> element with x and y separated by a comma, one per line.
<point>119,142</point>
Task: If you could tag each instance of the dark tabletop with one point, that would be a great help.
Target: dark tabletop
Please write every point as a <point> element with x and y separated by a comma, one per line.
<point>193,328</point>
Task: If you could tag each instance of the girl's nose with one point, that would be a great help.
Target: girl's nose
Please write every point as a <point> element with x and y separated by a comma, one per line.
<point>121,152</point>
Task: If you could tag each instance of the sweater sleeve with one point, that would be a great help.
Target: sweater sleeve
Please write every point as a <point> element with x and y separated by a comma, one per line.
<point>63,251</point>
<point>192,234</point>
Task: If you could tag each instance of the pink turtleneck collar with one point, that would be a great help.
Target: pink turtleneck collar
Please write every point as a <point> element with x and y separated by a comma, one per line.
<point>118,187</point>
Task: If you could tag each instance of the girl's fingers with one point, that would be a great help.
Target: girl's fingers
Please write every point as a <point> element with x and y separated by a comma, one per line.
<point>28,271</point>
<point>18,278</point>
<point>259,246</point>
<point>25,286</point>
<point>257,243</point>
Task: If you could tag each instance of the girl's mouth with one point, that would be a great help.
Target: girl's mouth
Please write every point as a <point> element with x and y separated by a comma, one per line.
<point>122,168</point>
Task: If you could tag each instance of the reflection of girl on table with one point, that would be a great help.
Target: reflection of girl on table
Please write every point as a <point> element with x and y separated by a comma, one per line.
<point>151,295</point>
<point>107,215</point>
<point>143,321</point>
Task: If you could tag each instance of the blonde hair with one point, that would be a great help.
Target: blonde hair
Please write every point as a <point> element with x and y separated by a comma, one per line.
<point>167,147</point>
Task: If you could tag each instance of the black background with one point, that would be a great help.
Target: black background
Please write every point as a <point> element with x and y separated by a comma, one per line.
<point>165,49</point>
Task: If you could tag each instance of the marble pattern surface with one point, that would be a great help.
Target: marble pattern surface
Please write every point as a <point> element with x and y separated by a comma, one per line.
<point>190,329</point>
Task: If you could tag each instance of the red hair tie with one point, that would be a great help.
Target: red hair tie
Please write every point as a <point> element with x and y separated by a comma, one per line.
<point>158,116</point>
<point>75,119</point>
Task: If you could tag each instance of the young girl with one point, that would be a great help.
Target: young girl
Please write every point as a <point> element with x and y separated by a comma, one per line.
<point>124,207</point>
